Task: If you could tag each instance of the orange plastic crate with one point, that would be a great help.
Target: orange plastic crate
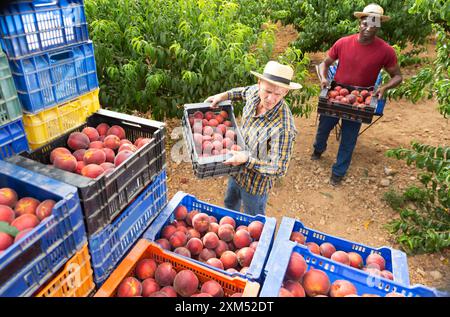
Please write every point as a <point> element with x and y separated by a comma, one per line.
<point>146,249</point>
<point>75,278</point>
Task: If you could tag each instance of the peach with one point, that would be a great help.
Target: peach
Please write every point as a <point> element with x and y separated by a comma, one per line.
<point>179,224</point>
<point>185,283</point>
<point>101,138</point>
<point>169,290</point>
<point>217,137</point>
<point>65,162</point>
<point>167,231</point>
<point>228,123</point>
<point>122,157</point>
<point>376,259</point>
<point>229,260</point>
<point>163,243</point>
<point>202,295</point>
<point>255,229</point>
<point>145,269</point>
<point>232,270</point>
<point>295,288</point>
<point>242,227</point>
<point>117,131</point>
<point>96,145</point>
<point>200,222</point>
<point>5,241</point>
<point>102,128</point>
<point>341,288</point>
<point>222,246</point>
<point>25,221</point>
<point>209,115</point>
<point>183,251</point>
<point>129,147</point>
<point>178,239</point>
<point>190,216</point>
<point>217,145</point>
<point>224,114</point>
<point>230,134</point>
<point>26,205</point>
<point>94,156</point>
<point>143,142</point>
<point>245,256</point>
<point>235,147</point>
<point>226,232</point>
<point>111,142</point>
<point>22,234</point>
<point>159,294</point>
<point>296,267</point>
<point>355,260</point>
<point>206,254</point>
<point>284,293</point>
<point>149,286</point>
<point>107,166</point>
<point>213,227</point>
<point>213,288</point>
<point>91,133</point>
<point>80,165</point>
<point>208,130</point>
<point>242,239</point>
<point>180,212</point>
<point>213,123</point>
<point>78,140</point>
<point>92,171</point>
<point>198,115</point>
<point>79,154</point>
<point>231,246</point>
<point>372,271</point>
<point>129,287</point>
<point>228,220</point>
<point>125,141</point>
<point>44,209</point>
<point>215,262</point>
<point>341,257</point>
<point>195,246</point>
<point>207,147</point>
<point>182,229</point>
<point>313,247</point>
<point>387,274</point>
<point>165,274</point>
<point>198,139</point>
<point>7,214</point>
<point>327,249</point>
<point>227,143</point>
<point>222,129</point>
<point>192,233</point>
<point>109,155</point>
<point>210,240</point>
<point>316,282</point>
<point>8,197</point>
<point>57,151</point>
<point>219,118</point>
<point>254,245</point>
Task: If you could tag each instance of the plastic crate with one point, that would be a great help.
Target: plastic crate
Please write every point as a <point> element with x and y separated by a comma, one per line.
<point>109,245</point>
<point>103,198</point>
<point>210,166</point>
<point>255,271</point>
<point>29,263</point>
<point>52,78</point>
<point>147,250</point>
<point>364,282</point>
<point>13,139</point>
<point>48,124</point>
<point>10,108</point>
<point>30,27</point>
<point>396,260</point>
<point>74,279</point>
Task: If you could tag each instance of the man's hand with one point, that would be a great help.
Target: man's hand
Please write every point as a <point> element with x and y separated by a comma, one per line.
<point>238,158</point>
<point>324,83</point>
<point>380,92</point>
<point>214,100</point>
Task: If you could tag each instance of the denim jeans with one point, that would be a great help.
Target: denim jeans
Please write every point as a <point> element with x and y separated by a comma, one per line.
<point>235,195</point>
<point>350,131</point>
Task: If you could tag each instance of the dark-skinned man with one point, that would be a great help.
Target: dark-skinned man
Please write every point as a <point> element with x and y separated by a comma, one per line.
<point>360,58</point>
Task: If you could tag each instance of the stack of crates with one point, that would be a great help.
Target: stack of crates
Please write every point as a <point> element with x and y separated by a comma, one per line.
<point>52,62</point>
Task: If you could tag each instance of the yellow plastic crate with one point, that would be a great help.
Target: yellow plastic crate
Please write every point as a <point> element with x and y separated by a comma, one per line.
<point>48,124</point>
<point>74,279</point>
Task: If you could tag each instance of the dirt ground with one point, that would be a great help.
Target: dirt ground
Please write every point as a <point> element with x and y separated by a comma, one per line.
<point>355,209</point>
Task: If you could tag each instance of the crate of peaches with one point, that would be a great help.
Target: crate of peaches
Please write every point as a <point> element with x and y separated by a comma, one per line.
<point>233,243</point>
<point>41,226</point>
<point>210,135</point>
<point>350,102</point>
<point>150,271</point>
<point>294,271</point>
<point>110,159</point>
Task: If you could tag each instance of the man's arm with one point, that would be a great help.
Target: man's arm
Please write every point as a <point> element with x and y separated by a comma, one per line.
<point>396,79</point>
<point>323,70</point>
<point>232,94</point>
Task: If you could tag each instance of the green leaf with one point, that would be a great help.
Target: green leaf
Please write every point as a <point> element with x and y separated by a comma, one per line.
<point>7,228</point>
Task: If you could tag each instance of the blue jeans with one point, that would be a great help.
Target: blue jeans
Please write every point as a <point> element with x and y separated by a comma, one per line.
<point>350,131</point>
<point>235,195</point>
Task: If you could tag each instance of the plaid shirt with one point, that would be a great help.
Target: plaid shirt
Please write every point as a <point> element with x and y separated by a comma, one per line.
<point>269,138</point>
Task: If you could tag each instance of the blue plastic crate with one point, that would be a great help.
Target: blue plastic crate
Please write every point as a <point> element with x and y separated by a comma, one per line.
<point>396,260</point>
<point>108,246</point>
<point>13,139</point>
<point>28,264</point>
<point>52,78</point>
<point>365,283</point>
<point>255,271</point>
<point>30,27</point>
<point>381,102</point>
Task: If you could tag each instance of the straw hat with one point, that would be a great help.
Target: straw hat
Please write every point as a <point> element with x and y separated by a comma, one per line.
<point>279,75</point>
<point>373,10</point>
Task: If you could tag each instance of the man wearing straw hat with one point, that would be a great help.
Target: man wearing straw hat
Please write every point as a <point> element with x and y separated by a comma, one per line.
<point>269,133</point>
<point>361,57</point>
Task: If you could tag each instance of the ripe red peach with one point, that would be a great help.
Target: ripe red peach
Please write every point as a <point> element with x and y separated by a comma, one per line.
<point>102,128</point>
<point>44,209</point>
<point>26,205</point>
<point>96,145</point>
<point>316,282</point>
<point>117,131</point>
<point>341,256</point>
<point>78,140</point>
<point>191,215</point>
<point>25,221</point>
<point>255,229</point>
<point>149,286</point>
<point>313,247</point>
<point>91,133</point>
<point>129,287</point>
<point>165,274</point>
<point>57,151</point>
<point>8,197</point>
<point>200,222</point>
<point>195,246</point>
<point>206,254</point>
<point>356,260</point>
<point>111,142</point>
<point>215,262</point>
<point>92,171</point>
<point>295,288</point>
<point>7,214</point>
<point>5,241</point>
<point>341,288</point>
<point>327,249</point>
<point>376,259</point>
<point>94,156</point>
<point>145,269</point>
<point>79,154</point>
<point>178,239</point>
<point>163,243</point>
<point>226,232</point>
<point>122,157</point>
<point>180,212</point>
<point>109,155</point>
<point>183,251</point>
<point>245,256</point>
<point>222,246</point>
<point>229,259</point>
<point>65,162</point>
<point>213,288</point>
<point>296,267</point>
<point>242,239</point>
